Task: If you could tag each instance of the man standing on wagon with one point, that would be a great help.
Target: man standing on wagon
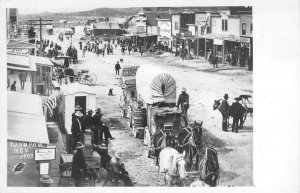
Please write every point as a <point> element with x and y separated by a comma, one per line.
<point>183,101</point>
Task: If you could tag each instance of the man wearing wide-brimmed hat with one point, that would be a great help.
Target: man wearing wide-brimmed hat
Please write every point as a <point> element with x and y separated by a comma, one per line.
<point>236,111</point>
<point>78,165</point>
<point>224,109</point>
<point>102,150</point>
<point>100,128</point>
<point>183,101</point>
<point>118,169</point>
<point>77,127</point>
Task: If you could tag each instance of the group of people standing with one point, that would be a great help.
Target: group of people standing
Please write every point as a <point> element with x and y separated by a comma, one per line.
<point>81,122</point>
<point>236,111</point>
<point>97,47</point>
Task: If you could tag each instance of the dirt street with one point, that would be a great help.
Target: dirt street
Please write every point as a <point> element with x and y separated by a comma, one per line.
<point>204,84</point>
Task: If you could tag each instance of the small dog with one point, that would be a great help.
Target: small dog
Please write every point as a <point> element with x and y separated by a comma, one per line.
<point>245,97</point>
<point>121,59</point>
<point>110,92</point>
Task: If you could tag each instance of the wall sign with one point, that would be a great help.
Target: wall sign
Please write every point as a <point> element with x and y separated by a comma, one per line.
<point>44,154</point>
<point>18,51</point>
<point>245,40</point>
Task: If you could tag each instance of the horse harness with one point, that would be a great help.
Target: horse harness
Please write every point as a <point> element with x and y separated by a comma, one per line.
<point>176,174</point>
<point>160,139</point>
<point>191,142</point>
<point>203,173</point>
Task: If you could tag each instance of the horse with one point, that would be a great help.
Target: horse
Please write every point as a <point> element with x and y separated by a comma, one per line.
<point>209,168</point>
<point>173,165</point>
<point>226,114</point>
<point>190,140</point>
<point>159,143</point>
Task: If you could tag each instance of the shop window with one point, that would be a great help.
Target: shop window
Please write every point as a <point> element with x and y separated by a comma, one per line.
<point>243,28</point>
<point>224,25</point>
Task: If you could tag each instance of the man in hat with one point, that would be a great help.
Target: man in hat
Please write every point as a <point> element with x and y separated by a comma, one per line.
<point>78,165</point>
<point>102,150</point>
<point>100,128</point>
<point>183,101</point>
<point>77,127</point>
<point>236,111</point>
<point>87,120</point>
<point>117,68</point>
<point>118,169</point>
<point>224,109</point>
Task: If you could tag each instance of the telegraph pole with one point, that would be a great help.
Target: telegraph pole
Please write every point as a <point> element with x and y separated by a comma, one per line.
<point>40,24</point>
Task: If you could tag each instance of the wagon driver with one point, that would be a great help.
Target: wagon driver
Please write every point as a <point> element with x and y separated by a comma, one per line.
<point>183,101</point>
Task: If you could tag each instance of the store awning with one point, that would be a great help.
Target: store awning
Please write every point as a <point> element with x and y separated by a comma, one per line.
<point>25,119</point>
<point>20,44</point>
<point>142,35</point>
<point>127,35</point>
<point>164,38</point>
<point>42,60</point>
<point>20,62</point>
<point>225,37</point>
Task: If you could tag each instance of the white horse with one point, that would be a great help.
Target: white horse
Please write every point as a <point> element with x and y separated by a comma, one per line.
<point>173,165</point>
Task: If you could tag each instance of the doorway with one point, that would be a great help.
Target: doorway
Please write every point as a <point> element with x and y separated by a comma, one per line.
<point>81,100</point>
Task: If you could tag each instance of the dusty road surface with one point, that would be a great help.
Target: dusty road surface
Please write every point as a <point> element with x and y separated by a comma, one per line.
<point>204,84</point>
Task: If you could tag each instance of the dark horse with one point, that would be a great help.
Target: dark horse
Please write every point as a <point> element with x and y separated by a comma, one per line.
<point>226,114</point>
<point>159,143</point>
<point>190,140</point>
<point>209,167</point>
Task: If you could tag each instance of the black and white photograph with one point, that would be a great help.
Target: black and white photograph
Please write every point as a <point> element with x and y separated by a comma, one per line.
<point>105,96</point>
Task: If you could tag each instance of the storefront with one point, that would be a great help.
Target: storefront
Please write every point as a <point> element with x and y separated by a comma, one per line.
<point>43,75</point>
<point>26,131</point>
<point>17,66</point>
<point>246,49</point>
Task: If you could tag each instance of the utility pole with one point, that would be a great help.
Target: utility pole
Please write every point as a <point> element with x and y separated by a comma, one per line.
<point>40,24</point>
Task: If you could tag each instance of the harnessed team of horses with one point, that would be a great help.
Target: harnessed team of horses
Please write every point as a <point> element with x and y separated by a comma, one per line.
<point>172,157</point>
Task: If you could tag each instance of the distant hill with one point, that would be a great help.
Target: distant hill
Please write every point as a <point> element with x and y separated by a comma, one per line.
<point>118,12</point>
<point>83,15</point>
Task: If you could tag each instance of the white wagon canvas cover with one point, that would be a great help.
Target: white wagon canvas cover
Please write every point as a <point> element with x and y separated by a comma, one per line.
<point>155,85</point>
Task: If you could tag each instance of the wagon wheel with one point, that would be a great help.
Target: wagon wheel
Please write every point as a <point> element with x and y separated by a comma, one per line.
<point>81,79</point>
<point>93,78</point>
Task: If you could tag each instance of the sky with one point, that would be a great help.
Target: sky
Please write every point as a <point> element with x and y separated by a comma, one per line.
<point>39,6</point>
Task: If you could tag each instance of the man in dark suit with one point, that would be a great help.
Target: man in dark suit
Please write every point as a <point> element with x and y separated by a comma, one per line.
<point>77,127</point>
<point>87,120</point>
<point>183,101</point>
<point>236,111</point>
<point>100,128</point>
<point>225,109</point>
<point>78,165</point>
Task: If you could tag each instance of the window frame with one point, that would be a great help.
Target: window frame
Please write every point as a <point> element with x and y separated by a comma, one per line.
<point>244,31</point>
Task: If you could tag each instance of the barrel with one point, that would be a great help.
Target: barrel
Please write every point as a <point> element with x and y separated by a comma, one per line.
<point>139,116</point>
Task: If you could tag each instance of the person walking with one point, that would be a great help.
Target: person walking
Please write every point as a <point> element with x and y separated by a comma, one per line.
<point>129,49</point>
<point>13,86</point>
<point>225,109</point>
<point>78,165</point>
<point>183,101</point>
<point>118,169</point>
<point>117,68</point>
<point>236,111</point>
<point>83,52</point>
<point>22,77</point>
<point>77,128</point>
<point>215,61</point>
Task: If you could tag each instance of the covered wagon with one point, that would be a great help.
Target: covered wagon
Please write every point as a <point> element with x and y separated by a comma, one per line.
<point>156,98</point>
